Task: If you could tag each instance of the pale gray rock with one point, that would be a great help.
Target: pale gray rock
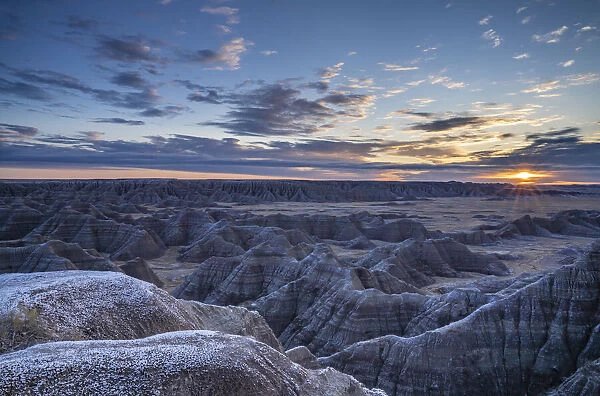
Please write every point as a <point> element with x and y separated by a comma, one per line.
<point>52,256</point>
<point>301,355</point>
<point>182,363</point>
<point>84,305</point>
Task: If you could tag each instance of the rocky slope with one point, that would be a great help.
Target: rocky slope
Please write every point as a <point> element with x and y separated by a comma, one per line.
<point>524,343</point>
<point>87,305</point>
<point>135,344</point>
<point>182,363</point>
<point>53,255</point>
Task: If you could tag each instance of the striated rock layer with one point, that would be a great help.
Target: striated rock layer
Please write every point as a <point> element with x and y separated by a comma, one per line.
<point>524,343</point>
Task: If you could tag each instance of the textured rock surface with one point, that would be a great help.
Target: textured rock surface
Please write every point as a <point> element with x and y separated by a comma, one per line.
<point>525,343</point>
<point>139,268</point>
<point>583,223</point>
<point>122,241</point>
<point>320,302</point>
<point>182,363</point>
<point>52,256</point>
<point>194,191</point>
<point>85,305</point>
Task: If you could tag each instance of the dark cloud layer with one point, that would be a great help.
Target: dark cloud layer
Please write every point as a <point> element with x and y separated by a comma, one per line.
<point>127,49</point>
<point>190,153</point>
<point>280,110</point>
<point>121,121</point>
<point>131,79</point>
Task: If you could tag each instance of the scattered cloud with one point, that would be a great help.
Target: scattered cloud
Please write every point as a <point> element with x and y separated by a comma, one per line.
<point>544,87</point>
<point>279,110</point>
<point>521,9</point>
<point>485,20</point>
<point>131,79</point>
<point>550,37</point>
<point>227,57</point>
<point>126,49</point>
<point>352,53</point>
<point>165,2</point>
<point>445,81</point>
<point>167,111</point>
<point>451,123</point>
<point>524,55</point>
<point>23,90</point>
<point>224,29</point>
<point>328,73</point>
<point>492,36</point>
<point>525,20</point>
<point>568,63</point>
<point>231,13</point>
<point>268,52</point>
<point>395,67</point>
<point>420,102</point>
<point>120,121</point>
<point>587,29</point>
<point>16,132</point>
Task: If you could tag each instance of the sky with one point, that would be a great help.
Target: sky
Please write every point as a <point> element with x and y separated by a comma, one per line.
<point>379,90</point>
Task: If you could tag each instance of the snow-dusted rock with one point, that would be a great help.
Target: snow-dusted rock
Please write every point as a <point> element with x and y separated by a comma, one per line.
<point>182,363</point>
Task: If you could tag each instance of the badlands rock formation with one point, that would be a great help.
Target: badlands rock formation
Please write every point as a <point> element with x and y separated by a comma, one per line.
<point>524,343</point>
<point>91,305</point>
<point>82,305</point>
<point>182,363</point>
<point>361,280</point>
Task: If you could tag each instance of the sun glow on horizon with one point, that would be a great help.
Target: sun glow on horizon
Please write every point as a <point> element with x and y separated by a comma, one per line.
<point>520,176</point>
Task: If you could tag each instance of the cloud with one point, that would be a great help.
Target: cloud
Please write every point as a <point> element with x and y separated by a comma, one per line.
<point>521,9</point>
<point>544,87</point>
<point>567,63</point>
<point>320,86</point>
<point>451,123</point>
<point>10,24</point>
<point>525,20</point>
<point>524,55</point>
<point>420,102</point>
<point>394,67</point>
<point>128,49</point>
<point>445,81</point>
<point>328,73</point>
<point>229,12</point>
<point>16,132</point>
<point>226,57</point>
<point>167,111</point>
<point>91,135</point>
<point>587,29</point>
<point>279,109</point>
<point>23,90</point>
<point>550,150</point>
<point>268,52</point>
<point>165,2</point>
<point>485,20</point>
<point>582,79</point>
<point>550,37</point>
<point>121,121</point>
<point>352,53</point>
<point>131,79</point>
<point>492,36</point>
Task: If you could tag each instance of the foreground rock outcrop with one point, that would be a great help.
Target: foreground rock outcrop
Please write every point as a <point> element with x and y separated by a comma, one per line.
<point>524,343</point>
<point>182,363</point>
<point>89,305</point>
